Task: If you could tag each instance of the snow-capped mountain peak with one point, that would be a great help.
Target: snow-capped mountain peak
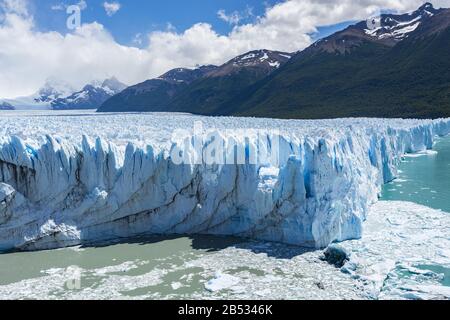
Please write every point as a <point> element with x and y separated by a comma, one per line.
<point>57,94</point>
<point>265,60</point>
<point>53,89</point>
<point>398,27</point>
<point>386,29</point>
<point>273,59</point>
<point>113,85</point>
<point>427,9</point>
<point>91,96</point>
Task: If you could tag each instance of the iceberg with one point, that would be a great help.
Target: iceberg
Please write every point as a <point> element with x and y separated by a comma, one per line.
<point>67,180</point>
<point>221,282</point>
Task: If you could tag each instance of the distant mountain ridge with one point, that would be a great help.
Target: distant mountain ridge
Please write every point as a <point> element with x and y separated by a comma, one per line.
<point>155,94</point>
<point>41,100</point>
<point>58,95</point>
<point>206,87</point>
<point>6,106</point>
<point>92,96</point>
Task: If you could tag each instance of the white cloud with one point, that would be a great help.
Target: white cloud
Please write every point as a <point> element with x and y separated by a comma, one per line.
<point>233,18</point>
<point>138,39</point>
<point>28,57</point>
<point>82,4</point>
<point>111,8</point>
<point>58,7</point>
<point>19,7</point>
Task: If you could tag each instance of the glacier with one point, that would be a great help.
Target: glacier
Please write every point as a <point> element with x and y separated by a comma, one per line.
<point>77,178</point>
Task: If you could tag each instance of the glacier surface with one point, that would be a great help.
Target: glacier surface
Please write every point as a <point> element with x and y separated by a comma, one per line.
<point>70,179</point>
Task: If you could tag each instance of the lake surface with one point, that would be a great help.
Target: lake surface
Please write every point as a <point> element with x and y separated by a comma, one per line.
<point>209,267</point>
<point>174,268</point>
<point>424,179</point>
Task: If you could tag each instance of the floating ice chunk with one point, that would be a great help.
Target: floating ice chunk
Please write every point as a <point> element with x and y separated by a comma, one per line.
<point>176,285</point>
<point>422,154</point>
<point>221,282</point>
<point>124,267</point>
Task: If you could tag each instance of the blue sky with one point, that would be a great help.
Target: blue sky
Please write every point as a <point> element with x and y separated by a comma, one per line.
<point>140,17</point>
<point>144,16</point>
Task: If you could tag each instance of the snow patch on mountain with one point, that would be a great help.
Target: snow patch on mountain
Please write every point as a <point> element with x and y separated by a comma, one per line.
<point>57,94</point>
<point>92,96</point>
<point>398,32</point>
<point>52,90</point>
<point>398,27</point>
<point>275,64</point>
<point>273,59</point>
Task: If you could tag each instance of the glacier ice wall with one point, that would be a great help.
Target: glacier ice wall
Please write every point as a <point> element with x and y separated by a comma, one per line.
<point>56,191</point>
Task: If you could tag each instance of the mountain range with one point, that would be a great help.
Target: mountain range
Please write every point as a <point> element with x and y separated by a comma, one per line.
<point>58,95</point>
<point>155,94</point>
<point>395,65</point>
<point>207,88</point>
<point>90,96</point>
<point>6,106</point>
<point>398,69</point>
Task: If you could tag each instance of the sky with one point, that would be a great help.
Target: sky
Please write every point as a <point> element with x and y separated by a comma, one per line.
<point>135,40</point>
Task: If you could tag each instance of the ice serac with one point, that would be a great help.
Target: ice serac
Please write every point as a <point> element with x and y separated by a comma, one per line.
<point>65,189</point>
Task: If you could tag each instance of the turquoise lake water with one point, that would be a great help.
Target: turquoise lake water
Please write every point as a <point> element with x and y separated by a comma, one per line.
<point>424,179</point>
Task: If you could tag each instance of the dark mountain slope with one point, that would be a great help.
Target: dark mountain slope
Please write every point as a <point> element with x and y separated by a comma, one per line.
<point>206,90</point>
<point>154,95</point>
<point>362,77</point>
<point>215,93</point>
